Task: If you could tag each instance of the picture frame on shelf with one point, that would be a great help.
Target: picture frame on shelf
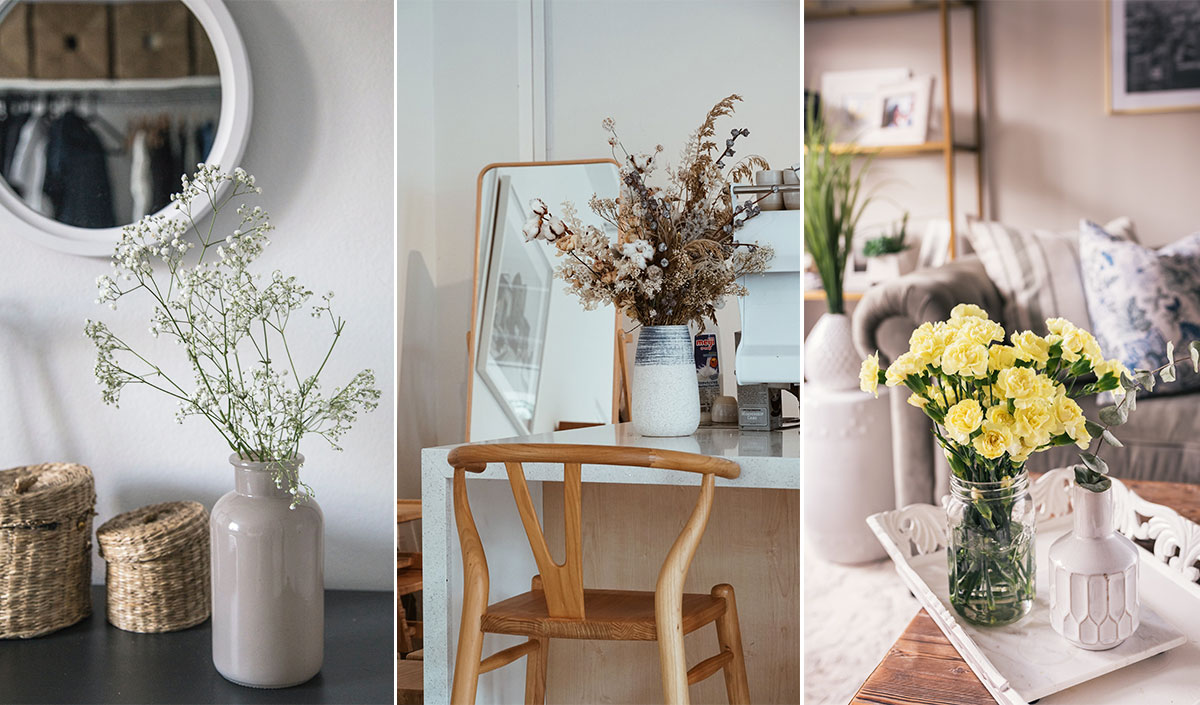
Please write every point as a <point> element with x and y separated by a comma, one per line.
<point>848,99</point>
<point>1147,70</point>
<point>900,113</point>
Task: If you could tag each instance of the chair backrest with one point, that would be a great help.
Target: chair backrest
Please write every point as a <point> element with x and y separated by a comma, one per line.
<point>563,583</point>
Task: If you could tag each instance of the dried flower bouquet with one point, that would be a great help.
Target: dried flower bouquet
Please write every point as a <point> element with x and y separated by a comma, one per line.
<point>675,256</point>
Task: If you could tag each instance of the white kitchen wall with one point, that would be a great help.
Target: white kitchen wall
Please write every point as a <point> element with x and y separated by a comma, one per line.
<point>321,148</point>
<point>655,66</point>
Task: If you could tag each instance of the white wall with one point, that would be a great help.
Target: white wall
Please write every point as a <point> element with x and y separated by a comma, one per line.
<point>320,147</point>
<point>655,67</point>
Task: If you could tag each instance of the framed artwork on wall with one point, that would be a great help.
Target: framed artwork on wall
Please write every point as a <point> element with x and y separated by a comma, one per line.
<point>848,100</point>
<point>1152,56</point>
<point>900,113</point>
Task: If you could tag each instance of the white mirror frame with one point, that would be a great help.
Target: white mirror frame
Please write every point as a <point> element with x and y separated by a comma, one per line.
<point>229,144</point>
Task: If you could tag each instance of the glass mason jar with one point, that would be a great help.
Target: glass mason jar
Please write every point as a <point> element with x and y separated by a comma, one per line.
<point>990,553</point>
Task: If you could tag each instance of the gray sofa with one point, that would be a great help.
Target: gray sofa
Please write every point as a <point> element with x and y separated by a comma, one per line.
<point>1162,438</point>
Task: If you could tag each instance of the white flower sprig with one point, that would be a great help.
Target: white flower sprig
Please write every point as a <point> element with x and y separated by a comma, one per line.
<point>232,326</point>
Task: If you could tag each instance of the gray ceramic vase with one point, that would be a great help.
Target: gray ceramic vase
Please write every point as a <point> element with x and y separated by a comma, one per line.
<point>268,585</point>
<point>1093,576</point>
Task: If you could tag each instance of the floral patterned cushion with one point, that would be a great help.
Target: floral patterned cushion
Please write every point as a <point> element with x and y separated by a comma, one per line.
<point>1141,298</point>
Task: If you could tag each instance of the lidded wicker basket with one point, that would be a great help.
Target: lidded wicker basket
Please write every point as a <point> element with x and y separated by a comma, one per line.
<point>158,567</point>
<point>45,548</point>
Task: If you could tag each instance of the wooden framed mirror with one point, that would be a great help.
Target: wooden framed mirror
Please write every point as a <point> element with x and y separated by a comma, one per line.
<point>116,99</point>
<point>537,361</point>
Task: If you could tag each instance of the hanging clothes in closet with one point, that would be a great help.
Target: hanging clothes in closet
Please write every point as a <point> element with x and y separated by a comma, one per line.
<point>27,171</point>
<point>77,174</point>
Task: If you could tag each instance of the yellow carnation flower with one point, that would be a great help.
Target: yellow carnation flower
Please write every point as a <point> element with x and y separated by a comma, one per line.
<point>926,344</point>
<point>979,331</point>
<point>1001,357</point>
<point>1073,343</point>
<point>918,401</point>
<point>963,419</point>
<point>902,367</point>
<point>1059,326</point>
<point>1018,383</point>
<point>993,442</point>
<point>1034,422</point>
<point>967,311</point>
<point>868,375</point>
<point>1031,346</point>
<point>999,416</point>
<point>965,358</point>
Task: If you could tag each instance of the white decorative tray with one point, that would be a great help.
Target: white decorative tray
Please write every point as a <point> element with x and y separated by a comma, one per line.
<point>1026,661</point>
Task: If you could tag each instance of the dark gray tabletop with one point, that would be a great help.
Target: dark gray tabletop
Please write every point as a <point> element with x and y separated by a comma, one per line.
<point>94,662</point>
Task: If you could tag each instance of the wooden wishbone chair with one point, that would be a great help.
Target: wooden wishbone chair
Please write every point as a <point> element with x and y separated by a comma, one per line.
<point>558,606</point>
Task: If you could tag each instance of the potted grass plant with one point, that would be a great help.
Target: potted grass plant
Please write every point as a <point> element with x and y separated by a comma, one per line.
<point>833,203</point>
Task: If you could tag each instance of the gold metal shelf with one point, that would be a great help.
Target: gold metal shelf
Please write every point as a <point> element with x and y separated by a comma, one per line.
<point>899,150</point>
<point>814,11</point>
<point>819,295</point>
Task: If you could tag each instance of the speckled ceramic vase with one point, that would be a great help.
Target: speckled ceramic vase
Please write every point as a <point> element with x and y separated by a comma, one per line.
<point>1093,576</point>
<point>268,583</point>
<point>666,398</point>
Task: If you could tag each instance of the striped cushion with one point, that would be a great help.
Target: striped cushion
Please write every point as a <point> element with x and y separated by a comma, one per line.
<point>1036,271</point>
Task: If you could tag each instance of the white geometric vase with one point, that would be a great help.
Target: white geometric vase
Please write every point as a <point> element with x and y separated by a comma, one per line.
<point>830,359</point>
<point>1093,577</point>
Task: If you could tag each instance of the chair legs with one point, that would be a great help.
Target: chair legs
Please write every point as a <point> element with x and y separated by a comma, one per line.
<point>470,649</point>
<point>535,672</point>
<point>729,636</point>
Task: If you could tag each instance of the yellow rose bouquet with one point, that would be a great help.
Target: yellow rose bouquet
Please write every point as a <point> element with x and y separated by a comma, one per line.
<point>993,405</point>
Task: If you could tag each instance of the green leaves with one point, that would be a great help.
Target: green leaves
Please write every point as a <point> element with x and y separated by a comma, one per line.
<point>1114,415</point>
<point>1094,463</point>
<point>1168,372</point>
<point>1108,437</point>
<point>1091,481</point>
<point>1145,378</point>
<point>1194,351</point>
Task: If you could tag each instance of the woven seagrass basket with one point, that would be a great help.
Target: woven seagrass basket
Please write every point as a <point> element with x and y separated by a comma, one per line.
<point>158,567</point>
<point>45,548</point>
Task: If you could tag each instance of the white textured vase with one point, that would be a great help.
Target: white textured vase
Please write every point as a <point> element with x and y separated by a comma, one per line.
<point>268,591</point>
<point>830,359</point>
<point>666,398</point>
<point>1093,577</point>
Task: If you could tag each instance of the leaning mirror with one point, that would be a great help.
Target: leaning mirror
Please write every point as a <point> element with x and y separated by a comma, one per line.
<point>104,105</point>
<point>538,360</point>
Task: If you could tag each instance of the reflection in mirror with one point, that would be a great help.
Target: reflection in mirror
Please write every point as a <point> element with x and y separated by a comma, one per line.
<point>103,106</point>
<point>539,360</point>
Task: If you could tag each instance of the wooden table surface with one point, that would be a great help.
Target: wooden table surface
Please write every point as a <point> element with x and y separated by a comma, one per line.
<point>923,668</point>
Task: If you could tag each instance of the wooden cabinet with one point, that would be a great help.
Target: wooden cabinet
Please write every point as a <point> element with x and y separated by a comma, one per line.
<point>150,40</point>
<point>14,43</point>
<point>70,40</point>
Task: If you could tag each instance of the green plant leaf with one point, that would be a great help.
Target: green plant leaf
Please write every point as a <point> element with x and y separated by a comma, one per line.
<point>1110,439</point>
<point>1114,415</point>
<point>1194,350</point>
<point>1094,429</point>
<point>1094,463</point>
<point>1126,382</point>
<point>1145,378</point>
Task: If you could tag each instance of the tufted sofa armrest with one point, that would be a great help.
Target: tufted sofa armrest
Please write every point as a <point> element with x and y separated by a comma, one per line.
<point>882,322</point>
<point>924,295</point>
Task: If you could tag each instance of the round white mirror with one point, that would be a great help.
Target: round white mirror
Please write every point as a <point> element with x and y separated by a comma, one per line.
<point>104,106</point>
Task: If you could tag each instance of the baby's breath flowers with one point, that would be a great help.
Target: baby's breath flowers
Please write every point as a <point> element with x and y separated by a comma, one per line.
<point>675,257</point>
<point>232,325</point>
<point>994,405</point>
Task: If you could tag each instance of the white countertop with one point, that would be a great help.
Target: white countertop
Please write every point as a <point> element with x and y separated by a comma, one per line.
<point>767,459</point>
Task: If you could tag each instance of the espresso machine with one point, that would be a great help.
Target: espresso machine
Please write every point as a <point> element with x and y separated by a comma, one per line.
<point>768,358</point>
